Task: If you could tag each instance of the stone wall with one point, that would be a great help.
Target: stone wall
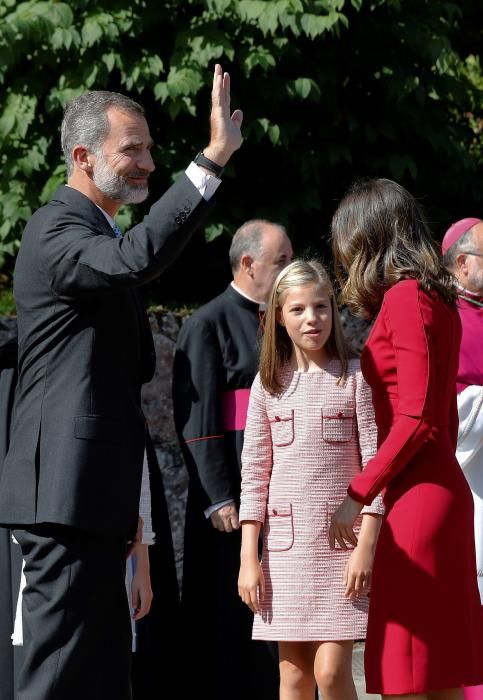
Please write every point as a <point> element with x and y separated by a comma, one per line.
<point>158,409</point>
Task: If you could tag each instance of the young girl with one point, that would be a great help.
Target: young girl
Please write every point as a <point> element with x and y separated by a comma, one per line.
<point>310,429</point>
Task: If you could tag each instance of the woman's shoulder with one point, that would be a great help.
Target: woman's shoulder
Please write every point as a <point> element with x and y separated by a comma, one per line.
<point>404,289</point>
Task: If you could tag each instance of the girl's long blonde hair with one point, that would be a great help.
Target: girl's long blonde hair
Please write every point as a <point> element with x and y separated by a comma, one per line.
<point>277,347</point>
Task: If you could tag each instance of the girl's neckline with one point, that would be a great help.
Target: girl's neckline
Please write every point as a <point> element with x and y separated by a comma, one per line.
<point>320,370</point>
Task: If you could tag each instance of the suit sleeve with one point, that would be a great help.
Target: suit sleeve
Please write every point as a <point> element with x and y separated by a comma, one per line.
<point>197,390</point>
<point>411,426</point>
<point>257,457</point>
<point>367,434</point>
<point>78,261</point>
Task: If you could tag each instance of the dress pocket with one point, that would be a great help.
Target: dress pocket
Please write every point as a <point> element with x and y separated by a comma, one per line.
<point>337,423</point>
<point>283,431</point>
<point>279,527</point>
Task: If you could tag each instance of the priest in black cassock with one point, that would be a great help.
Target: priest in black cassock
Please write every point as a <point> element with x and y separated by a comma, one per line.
<point>215,363</point>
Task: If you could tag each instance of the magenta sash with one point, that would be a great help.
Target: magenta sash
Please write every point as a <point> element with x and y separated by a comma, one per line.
<point>235,407</point>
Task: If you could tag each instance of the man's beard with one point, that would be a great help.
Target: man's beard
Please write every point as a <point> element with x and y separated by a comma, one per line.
<point>116,186</point>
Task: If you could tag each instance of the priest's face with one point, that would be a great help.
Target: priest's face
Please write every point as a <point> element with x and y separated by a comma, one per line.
<point>276,253</point>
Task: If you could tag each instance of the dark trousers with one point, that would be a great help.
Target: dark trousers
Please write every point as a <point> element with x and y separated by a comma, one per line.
<point>77,634</point>
<point>10,657</point>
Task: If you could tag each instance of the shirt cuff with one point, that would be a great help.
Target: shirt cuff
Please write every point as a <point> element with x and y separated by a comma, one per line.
<point>216,506</point>
<point>204,183</point>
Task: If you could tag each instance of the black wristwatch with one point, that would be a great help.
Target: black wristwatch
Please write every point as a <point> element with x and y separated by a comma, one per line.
<point>201,159</point>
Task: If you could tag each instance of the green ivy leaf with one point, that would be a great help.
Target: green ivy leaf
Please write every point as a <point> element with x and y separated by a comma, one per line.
<point>91,32</point>
<point>213,231</point>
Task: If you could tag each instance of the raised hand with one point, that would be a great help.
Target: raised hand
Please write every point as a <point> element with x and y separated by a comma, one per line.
<point>225,128</point>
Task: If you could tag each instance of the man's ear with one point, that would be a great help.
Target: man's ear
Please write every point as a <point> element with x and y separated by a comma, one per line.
<point>246,264</point>
<point>460,263</point>
<point>83,159</point>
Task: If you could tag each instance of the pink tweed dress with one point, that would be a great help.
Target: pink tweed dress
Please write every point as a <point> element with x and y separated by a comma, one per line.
<point>301,450</point>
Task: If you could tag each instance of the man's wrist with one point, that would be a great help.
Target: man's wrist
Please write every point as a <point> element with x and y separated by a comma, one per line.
<point>218,154</point>
<point>208,165</point>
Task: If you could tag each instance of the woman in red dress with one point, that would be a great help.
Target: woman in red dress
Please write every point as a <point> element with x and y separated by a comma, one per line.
<point>425,632</point>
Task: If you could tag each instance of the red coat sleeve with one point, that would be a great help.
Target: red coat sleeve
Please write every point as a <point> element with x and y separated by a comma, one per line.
<point>404,322</point>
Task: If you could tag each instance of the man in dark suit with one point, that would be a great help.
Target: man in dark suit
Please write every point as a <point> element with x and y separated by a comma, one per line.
<point>215,364</point>
<point>71,479</point>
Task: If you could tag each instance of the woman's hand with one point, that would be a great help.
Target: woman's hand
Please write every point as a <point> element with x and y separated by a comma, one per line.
<point>358,572</point>
<point>251,584</point>
<point>342,522</point>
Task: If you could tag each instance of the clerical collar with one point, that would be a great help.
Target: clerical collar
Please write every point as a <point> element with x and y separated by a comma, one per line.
<point>261,304</point>
<point>471,297</point>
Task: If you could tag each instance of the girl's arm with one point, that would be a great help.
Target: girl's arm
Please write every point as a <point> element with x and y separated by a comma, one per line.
<point>256,473</point>
<point>358,573</point>
<point>251,582</point>
<point>141,591</point>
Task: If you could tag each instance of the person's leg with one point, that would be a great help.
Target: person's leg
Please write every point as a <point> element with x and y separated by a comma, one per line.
<point>296,661</point>
<point>77,634</point>
<point>333,670</point>
<point>449,694</point>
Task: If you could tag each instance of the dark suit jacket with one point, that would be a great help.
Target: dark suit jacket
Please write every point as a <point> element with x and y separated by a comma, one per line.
<point>85,348</point>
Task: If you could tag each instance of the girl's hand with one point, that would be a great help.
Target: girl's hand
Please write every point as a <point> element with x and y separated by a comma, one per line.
<point>138,537</point>
<point>342,522</point>
<point>358,572</point>
<point>251,584</point>
<point>141,591</point>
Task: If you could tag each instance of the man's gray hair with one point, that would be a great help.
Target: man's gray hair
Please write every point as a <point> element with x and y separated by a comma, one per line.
<point>248,240</point>
<point>86,122</point>
<point>462,245</point>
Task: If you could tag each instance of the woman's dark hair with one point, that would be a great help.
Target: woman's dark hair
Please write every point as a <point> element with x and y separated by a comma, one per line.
<point>379,237</point>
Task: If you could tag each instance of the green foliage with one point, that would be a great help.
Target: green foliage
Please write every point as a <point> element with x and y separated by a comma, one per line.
<point>331,89</point>
<point>7,303</point>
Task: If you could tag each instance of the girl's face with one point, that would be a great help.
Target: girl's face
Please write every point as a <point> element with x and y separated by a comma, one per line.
<point>306,313</point>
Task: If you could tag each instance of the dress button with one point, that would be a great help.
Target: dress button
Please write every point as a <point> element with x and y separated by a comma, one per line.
<point>277,418</point>
<point>274,511</point>
<point>340,414</point>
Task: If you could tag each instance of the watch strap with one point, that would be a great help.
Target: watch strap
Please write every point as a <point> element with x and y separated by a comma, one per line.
<point>201,159</point>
